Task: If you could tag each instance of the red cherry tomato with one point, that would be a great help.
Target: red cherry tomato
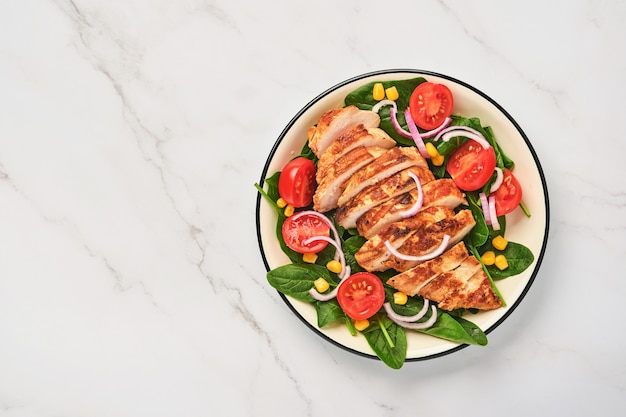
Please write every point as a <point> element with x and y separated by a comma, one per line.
<point>430,104</point>
<point>361,295</point>
<point>471,165</point>
<point>296,183</point>
<point>508,195</point>
<point>300,227</point>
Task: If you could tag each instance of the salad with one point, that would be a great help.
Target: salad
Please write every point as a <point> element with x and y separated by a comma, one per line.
<point>325,268</point>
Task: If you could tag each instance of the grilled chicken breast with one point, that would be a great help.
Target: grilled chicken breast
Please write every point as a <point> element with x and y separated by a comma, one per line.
<point>412,280</point>
<point>386,189</point>
<point>331,185</point>
<point>442,192</point>
<point>392,161</point>
<point>358,136</point>
<point>374,256</point>
<point>454,279</point>
<point>335,122</point>
<point>428,239</point>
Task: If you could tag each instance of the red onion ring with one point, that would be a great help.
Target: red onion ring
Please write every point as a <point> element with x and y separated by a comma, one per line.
<point>468,132</point>
<point>498,182</point>
<point>420,198</point>
<point>495,224</point>
<point>438,251</point>
<point>485,206</point>
<point>383,103</point>
<point>415,134</point>
<point>338,250</point>
<point>330,295</point>
<point>325,220</point>
<point>419,326</point>
<point>407,319</point>
<point>446,122</point>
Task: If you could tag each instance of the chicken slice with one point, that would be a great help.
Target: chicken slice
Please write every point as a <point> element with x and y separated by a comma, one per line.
<point>442,192</point>
<point>412,280</point>
<point>394,160</point>
<point>331,185</point>
<point>358,136</point>
<point>420,244</point>
<point>373,255</point>
<point>464,287</point>
<point>386,189</point>
<point>336,122</point>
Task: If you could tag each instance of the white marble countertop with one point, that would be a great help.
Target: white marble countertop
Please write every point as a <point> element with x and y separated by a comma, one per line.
<point>131,133</point>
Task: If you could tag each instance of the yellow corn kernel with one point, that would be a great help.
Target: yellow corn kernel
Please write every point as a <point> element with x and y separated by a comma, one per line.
<point>361,325</point>
<point>488,258</point>
<point>400,298</point>
<point>281,202</point>
<point>379,91</point>
<point>437,160</point>
<point>334,266</point>
<point>501,262</point>
<point>432,150</point>
<point>309,258</point>
<point>392,93</point>
<point>321,285</point>
<point>289,210</point>
<point>499,242</point>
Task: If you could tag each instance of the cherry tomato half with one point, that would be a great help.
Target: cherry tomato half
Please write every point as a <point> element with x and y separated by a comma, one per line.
<point>361,295</point>
<point>300,227</point>
<point>430,104</point>
<point>508,195</point>
<point>471,165</point>
<point>296,183</point>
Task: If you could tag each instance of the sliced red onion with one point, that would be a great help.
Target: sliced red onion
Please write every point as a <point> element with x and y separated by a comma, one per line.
<point>383,103</point>
<point>498,182</point>
<point>419,326</point>
<point>407,319</point>
<point>396,124</point>
<point>468,132</point>
<point>415,134</point>
<point>495,224</point>
<point>330,295</point>
<point>438,251</point>
<point>485,206</point>
<point>418,202</point>
<point>338,250</point>
<point>434,132</point>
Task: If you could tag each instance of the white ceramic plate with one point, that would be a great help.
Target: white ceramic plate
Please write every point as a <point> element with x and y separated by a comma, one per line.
<point>469,102</point>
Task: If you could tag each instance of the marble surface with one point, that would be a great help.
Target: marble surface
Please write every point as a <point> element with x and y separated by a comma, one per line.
<point>131,133</point>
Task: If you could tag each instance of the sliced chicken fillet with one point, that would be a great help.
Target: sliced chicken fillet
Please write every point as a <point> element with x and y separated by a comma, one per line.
<point>374,195</point>
<point>394,160</point>
<point>358,136</point>
<point>442,192</point>
<point>412,280</point>
<point>336,122</point>
<point>331,185</point>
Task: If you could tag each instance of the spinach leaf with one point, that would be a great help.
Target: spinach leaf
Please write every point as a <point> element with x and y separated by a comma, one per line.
<point>350,247</point>
<point>328,312</point>
<point>518,256</point>
<point>480,232</point>
<point>296,280</point>
<point>394,355</point>
<point>450,328</point>
<point>363,99</point>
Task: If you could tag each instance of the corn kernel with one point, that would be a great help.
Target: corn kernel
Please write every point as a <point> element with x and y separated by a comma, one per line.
<point>289,210</point>
<point>334,266</point>
<point>437,160</point>
<point>432,150</point>
<point>379,91</point>
<point>488,258</point>
<point>392,93</point>
<point>281,202</point>
<point>400,298</point>
<point>321,285</point>
<point>501,262</point>
<point>309,258</point>
<point>361,325</point>
<point>499,242</point>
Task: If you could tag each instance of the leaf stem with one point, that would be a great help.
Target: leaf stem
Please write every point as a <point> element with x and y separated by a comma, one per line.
<point>267,197</point>
<point>524,209</point>
<point>385,333</point>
